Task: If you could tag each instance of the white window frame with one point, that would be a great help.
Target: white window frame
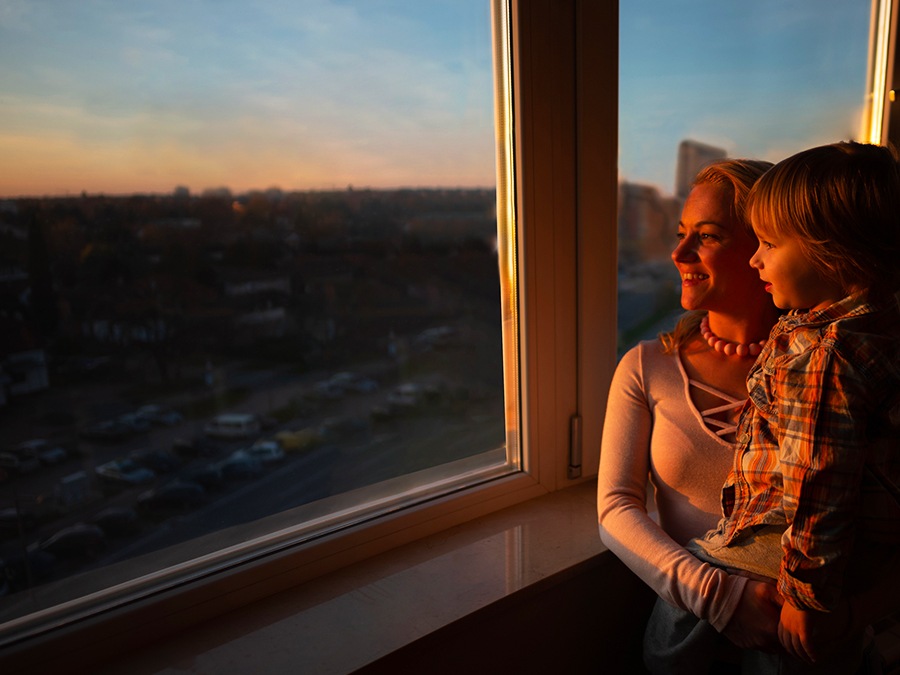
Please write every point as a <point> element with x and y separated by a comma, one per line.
<point>565,70</point>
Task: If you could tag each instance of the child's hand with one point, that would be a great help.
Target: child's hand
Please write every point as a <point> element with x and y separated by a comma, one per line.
<point>809,635</point>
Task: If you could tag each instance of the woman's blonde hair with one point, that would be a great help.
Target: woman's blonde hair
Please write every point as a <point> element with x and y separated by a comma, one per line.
<point>841,202</point>
<point>736,176</point>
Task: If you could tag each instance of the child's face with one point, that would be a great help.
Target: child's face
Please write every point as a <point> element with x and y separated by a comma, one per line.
<point>790,277</point>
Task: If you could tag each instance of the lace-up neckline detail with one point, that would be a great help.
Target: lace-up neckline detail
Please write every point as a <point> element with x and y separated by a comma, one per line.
<point>713,417</point>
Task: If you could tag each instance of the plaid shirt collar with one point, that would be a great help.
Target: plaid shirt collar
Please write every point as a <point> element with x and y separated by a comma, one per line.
<point>855,304</point>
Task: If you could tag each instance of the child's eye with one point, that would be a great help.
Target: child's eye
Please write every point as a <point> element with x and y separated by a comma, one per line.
<point>766,244</point>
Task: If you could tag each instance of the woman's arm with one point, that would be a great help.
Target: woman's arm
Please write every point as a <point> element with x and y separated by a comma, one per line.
<point>625,525</point>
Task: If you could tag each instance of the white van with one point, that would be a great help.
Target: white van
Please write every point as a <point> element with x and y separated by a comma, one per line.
<point>233,425</point>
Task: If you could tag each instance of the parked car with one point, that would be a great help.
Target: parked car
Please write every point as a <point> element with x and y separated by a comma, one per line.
<point>108,431</point>
<point>267,452</point>
<point>344,427</point>
<point>240,466</point>
<point>327,391</point>
<point>194,447</point>
<point>135,422</point>
<point>156,414</point>
<point>406,396</point>
<point>208,475</point>
<point>354,382</point>
<point>172,498</point>
<point>436,338</point>
<point>302,439</point>
<point>117,521</point>
<point>78,541</point>
<point>124,472</point>
<point>22,570</point>
<point>158,461</point>
<point>16,464</point>
<point>46,452</point>
<point>14,521</point>
<point>233,425</point>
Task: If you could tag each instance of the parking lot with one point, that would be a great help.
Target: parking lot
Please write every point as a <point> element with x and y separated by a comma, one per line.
<point>112,500</point>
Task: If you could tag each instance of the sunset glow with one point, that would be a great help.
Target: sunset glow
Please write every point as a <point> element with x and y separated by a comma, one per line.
<point>110,97</point>
<point>115,97</point>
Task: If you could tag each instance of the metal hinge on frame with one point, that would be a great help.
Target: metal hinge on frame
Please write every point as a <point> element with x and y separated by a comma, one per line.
<point>574,446</point>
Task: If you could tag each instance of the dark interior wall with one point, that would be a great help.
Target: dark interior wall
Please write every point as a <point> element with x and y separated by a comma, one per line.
<point>588,620</point>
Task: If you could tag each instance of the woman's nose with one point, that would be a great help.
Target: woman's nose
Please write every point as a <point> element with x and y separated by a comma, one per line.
<point>686,250</point>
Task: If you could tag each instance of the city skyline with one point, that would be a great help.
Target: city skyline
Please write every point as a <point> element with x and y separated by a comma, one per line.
<point>104,97</point>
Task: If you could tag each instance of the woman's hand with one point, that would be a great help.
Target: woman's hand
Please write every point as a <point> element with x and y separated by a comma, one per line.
<point>754,624</point>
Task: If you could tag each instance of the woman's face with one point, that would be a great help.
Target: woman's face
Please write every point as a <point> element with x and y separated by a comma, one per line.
<point>713,254</point>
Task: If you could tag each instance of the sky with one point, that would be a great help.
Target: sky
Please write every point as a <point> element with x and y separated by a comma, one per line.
<point>123,96</point>
<point>761,79</point>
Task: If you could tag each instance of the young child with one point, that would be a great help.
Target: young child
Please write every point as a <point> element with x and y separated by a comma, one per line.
<point>812,499</point>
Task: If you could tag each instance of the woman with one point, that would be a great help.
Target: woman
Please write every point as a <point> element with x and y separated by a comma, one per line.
<point>672,411</point>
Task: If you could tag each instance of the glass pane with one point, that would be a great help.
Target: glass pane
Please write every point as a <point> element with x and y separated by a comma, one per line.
<point>701,80</point>
<point>250,279</point>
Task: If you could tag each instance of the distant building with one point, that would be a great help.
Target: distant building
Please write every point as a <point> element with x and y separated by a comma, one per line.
<point>647,223</point>
<point>693,156</point>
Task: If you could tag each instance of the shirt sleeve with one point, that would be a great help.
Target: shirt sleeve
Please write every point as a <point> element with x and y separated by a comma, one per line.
<point>626,527</point>
<point>823,414</point>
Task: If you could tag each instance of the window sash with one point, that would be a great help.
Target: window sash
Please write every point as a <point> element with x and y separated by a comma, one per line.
<point>564,196</point>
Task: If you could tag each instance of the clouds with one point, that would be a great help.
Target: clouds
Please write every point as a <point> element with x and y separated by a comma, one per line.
<point>249,94</point>
<point>383,93</point>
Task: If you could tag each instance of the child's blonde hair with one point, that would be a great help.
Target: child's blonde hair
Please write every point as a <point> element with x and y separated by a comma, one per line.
<point>737,176</point>
<point>841,202</point>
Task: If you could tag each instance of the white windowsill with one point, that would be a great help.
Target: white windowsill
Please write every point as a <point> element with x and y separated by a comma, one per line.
<point>350,618</point>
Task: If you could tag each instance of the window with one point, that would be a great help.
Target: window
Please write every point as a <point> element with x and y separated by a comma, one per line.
<point>706,80</point>
<point>229,372</point>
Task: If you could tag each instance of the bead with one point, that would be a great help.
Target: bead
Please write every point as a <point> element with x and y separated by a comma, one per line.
<point>724,346</point>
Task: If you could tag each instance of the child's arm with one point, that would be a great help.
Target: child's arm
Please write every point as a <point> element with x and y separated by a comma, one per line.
<point>818,633</point>
<point>824,411</point>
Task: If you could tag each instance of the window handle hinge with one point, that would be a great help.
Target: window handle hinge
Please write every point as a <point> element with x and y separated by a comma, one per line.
<point>575,446</point>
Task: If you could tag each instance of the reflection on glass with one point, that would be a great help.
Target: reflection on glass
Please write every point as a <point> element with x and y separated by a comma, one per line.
<point>705,80</point>
<point>186,370</point>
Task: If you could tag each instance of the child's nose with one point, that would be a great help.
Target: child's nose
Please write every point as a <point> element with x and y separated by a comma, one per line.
<point>755,261</point>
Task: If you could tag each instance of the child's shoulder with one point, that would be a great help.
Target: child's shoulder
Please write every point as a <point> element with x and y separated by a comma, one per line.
<point>863,335</point>
<point>869,338</point>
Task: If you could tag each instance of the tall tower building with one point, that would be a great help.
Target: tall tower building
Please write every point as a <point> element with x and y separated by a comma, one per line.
<point>693,156</point>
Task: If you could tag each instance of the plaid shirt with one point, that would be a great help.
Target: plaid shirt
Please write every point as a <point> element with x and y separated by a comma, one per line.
<point>818,444</point>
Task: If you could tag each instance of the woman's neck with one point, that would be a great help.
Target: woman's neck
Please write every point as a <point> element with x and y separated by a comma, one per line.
<point>744,328</point>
